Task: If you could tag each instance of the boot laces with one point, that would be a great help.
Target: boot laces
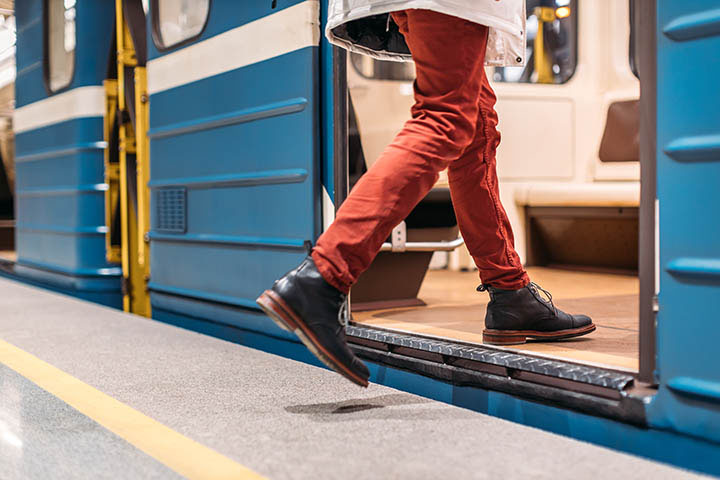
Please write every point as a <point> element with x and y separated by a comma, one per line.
<point>536,289</point>
<point>343,313</point>
<point>487,288</point>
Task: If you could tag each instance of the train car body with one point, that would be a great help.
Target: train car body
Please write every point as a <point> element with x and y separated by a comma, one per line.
<point>247,147</point>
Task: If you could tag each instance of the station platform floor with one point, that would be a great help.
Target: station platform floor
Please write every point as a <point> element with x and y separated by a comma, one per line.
<point>91,392</point>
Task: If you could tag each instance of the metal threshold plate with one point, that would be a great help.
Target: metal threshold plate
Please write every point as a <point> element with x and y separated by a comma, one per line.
<point>587,388</point>
<point>518,361</point>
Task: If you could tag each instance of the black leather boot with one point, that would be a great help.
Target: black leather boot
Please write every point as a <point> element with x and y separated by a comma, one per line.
<point>514,316</point>
<point>304,303</point>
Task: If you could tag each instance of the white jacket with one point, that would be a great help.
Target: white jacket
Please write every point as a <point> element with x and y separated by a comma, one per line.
<point>506,19</point>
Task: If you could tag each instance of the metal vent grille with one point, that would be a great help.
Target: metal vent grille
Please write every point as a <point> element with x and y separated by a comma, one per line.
<point>172,210</point>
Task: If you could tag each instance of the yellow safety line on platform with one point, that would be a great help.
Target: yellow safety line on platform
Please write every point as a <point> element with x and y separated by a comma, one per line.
<point>179,453</point>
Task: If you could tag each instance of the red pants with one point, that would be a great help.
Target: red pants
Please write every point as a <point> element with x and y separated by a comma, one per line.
<point>452,126</point>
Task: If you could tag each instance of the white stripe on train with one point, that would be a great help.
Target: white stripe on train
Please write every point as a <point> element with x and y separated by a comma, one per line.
<point>80,102</point>
<point>283,32</point>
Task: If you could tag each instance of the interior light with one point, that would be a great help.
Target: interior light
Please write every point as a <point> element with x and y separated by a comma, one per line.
<point>562,12</point>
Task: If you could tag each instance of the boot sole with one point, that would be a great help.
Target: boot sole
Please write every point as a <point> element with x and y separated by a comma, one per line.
<point>284,316</point>
<point>519,337</point>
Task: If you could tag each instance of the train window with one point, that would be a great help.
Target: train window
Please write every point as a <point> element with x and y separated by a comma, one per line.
<point>60,46</point>
<point>633,44</point>
<point>374,69</point>
<point>551,44</point>
<point>178,21</point>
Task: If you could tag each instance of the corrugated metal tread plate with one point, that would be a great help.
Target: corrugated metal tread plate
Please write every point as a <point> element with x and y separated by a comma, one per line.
<point>518,361</point>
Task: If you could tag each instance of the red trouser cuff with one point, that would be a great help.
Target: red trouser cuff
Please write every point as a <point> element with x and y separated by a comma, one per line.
<point>326,270</point>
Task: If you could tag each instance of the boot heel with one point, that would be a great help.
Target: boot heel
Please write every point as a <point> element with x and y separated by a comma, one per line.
<point>502,338</point>
<point>275,311</point>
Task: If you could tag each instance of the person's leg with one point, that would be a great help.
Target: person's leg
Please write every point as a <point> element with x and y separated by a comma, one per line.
<point>448,53</point>
<point>517,309</point>
<point>476,199</point>
<point>449,57</point>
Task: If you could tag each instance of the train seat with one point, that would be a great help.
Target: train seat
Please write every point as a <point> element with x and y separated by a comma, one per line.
<point>586,225</point>
<point>621,137</point>
<point>606,194</point>
<point>395,277</point>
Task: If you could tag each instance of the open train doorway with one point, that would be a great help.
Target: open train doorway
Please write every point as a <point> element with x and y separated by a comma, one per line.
<point>7,138</point>
<point>569,171</point>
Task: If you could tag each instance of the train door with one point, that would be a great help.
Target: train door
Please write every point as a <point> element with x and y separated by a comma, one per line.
<point>58,140</point>
<point>235,191</point>
<point>569,179</point>
<point>688,175</point>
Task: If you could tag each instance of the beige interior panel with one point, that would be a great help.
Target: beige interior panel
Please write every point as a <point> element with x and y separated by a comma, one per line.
<point>382,107</point>
<point>537,138</point>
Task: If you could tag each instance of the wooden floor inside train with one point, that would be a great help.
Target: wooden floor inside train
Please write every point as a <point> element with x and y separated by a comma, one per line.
<point>456,311</point>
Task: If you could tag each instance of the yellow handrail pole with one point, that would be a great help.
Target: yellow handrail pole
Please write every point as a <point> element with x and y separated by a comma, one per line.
<point>543,61</point>
<point>132,141</point>
<point>112,171</point>
<point>122,145</point>
<point>143,177</point>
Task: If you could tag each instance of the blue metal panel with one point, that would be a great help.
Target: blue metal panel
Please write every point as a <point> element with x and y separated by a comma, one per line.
<point>60,204</point>
<point>93,24</point>
<point>59,168</point>
<point>689,199</point>
<point>29,83</point>
<point>26,13</point>
<point>66,137</point>
<point>104,292</point>
<point>702,23</point>
<point>244,145</point>
<point>226,15</point>
<point>327,110</point>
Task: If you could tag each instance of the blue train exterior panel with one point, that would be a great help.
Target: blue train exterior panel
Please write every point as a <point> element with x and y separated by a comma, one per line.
<point>60,206</point>
<point>59,159</point>
<point>688,145</point>
<point>240,149</point>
